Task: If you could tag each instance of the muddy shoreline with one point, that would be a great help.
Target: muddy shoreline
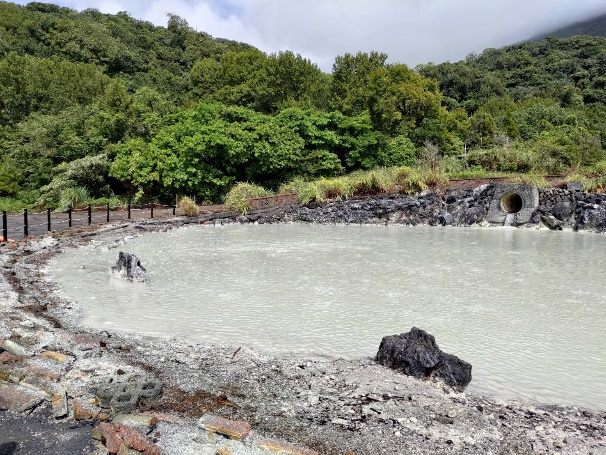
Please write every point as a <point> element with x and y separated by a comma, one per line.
<point>307,404</point>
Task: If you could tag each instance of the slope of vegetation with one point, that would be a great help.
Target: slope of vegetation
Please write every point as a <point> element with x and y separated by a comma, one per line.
<point>98,106</point>
<point>596,26</point>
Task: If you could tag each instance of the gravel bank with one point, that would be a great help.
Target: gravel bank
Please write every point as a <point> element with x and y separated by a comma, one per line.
<point>302,404</point>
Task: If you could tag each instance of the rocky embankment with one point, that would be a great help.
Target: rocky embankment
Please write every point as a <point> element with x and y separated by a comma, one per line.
<point>557,209</point>
<point>147,395</point>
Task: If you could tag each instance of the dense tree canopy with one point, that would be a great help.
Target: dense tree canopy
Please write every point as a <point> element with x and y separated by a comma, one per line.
<point>93,105</point>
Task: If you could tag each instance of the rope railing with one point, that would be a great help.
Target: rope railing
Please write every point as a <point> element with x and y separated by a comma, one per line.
<point>92,217</point>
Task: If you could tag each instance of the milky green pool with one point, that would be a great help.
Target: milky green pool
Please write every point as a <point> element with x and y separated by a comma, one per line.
<point>526,308</point>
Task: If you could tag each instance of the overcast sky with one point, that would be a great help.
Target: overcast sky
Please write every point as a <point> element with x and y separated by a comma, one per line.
<point>410,31</point>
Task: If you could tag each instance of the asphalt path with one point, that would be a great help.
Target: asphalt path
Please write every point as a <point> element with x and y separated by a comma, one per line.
<point>36,435</point>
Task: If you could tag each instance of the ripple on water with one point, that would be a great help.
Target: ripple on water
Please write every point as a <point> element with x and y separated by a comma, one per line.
<point>526,308</point>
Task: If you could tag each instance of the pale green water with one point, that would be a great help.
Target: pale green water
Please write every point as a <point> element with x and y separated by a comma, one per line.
<point>527,309</point>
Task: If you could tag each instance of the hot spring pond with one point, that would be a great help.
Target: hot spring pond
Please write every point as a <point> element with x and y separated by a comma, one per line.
<point>526,308</point>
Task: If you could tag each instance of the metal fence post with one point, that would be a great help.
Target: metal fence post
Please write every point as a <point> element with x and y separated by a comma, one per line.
<point>4,226</point>
<point>152,210</point>
<point>108,212</point>
<point>129,210</point>
<point>48,220</point>
<point>69,217</point>
<point>90,214</point>
<point>25,224</point>
<point>174,210</point>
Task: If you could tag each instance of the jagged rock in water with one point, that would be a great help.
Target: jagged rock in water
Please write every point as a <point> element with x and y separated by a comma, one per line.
<point>129,267</point>
<point>417,354</point>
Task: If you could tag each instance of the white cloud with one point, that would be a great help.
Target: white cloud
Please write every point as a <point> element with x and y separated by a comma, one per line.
<point>410,31</point>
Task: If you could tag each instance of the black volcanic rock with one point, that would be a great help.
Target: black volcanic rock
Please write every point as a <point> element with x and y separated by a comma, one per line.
<point>417,354</point>
<point>129,267</point>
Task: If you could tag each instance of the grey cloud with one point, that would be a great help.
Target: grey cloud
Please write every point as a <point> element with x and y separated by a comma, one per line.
<point>410,31</point>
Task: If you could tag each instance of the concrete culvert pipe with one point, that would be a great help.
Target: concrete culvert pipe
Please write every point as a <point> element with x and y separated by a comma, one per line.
<point>511,202</point>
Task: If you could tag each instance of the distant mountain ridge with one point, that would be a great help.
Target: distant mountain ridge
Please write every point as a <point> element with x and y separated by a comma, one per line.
<point>595,26</point>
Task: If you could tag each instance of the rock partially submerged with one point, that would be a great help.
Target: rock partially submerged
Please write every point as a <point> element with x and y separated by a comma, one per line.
<point>129,267</point>
<point>417,354</point>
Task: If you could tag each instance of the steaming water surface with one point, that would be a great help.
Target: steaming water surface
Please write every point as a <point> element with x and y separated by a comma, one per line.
<point>527,309</point>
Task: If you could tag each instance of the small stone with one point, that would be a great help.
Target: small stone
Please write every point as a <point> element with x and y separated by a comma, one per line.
<point>18,398</point>
<point>276,446</point>
<point>234,429</point>
<point>87,411</point>
<point>141,422</point>
<point>59,405</point>
<point>118,435</point>
<point>57,356</point>
<point>96,434</point>
<point>13,348</point>
<point>7,357</point>
<point>339,421</point>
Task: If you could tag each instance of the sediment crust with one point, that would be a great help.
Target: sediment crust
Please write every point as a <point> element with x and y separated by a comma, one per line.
<point>308,404</point>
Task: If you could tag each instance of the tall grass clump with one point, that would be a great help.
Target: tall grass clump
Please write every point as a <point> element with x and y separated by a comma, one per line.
<point>408,180</point>
<point>532,179</point>
<point>593,178</point>
<point>238,198</point>
<point>335,188</point>
<point>305,190</point>
<point>72,198</point>
<point>187,207</point>
<point>376,181</point>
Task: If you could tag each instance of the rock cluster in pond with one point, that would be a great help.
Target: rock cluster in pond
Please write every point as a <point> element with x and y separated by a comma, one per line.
<point>417,354</point>
<point>129,267</point>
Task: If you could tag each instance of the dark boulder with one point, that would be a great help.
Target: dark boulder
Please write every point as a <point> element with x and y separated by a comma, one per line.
<point>551,222</point>
<point>417,354</point>
<point>562,211</point>
<point>129,267</point>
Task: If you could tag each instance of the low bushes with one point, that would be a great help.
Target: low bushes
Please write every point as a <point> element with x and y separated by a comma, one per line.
<point>187,207</point>
<point>401,179</point>
<point>238,198</point>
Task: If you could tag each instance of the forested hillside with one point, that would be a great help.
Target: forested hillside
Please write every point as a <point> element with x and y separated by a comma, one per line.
<point>97,106</point>
<point>595,26</point>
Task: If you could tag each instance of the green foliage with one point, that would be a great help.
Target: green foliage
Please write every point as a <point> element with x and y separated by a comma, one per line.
<point>350,81</point>
<point>205,150</point>
<point>188,207</point>
<point>87,174</point>
<point>400,151</point>
<point>402,179</point>
<point>238,197</point>
<point>72,197</point>
<point>530,179</point>
<point>409,180</point>
<point>402,99</point>
<point>113,105</point>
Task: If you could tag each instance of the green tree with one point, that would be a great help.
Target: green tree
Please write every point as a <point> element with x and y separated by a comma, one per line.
<point>350,81</point>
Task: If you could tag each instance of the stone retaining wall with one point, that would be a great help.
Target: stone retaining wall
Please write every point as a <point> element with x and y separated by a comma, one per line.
<point>556,209</point>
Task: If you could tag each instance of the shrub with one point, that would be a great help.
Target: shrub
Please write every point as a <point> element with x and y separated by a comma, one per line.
<point>435,179</point>
<point>408,180</point>
<point>238,198</point>
<point>372,182</point>
<point>338,187</point>
<point>72,198</point>
<point>400,151</point>
<point>599,168</point>
<point>307,191</point>
<point>187,207</point>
